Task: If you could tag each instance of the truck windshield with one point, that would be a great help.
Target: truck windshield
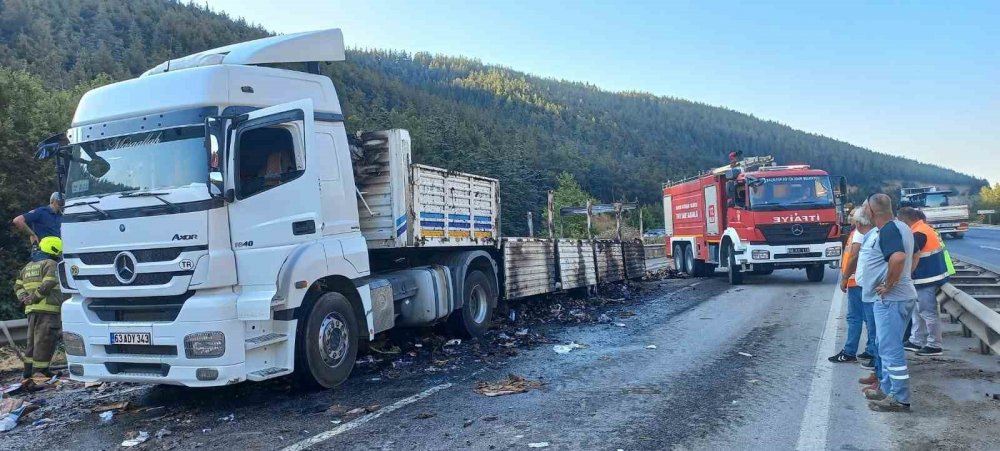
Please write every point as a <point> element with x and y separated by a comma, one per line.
<point>785,193</point>
<point>936,200</point>
<point>143,161</point>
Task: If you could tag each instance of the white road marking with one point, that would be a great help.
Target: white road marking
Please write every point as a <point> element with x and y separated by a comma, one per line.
<point>324,436</point>
<point>816,418</point>
<point>991,248</point>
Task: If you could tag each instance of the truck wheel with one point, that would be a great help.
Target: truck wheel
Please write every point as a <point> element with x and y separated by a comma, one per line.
<point>327,342</point>
<point>678,258</point>
<point>735,273</point>
<point>689,265</point>
<point>815,273</point>
<point>958,235</point>
<point>472,320</point>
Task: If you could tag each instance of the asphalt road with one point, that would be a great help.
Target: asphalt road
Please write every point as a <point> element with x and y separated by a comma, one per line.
<point>732,368</point>
<point>980,243</point>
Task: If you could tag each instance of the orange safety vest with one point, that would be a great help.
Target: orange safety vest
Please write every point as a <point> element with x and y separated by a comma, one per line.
<point>845,257</point>
<point>933,266</point>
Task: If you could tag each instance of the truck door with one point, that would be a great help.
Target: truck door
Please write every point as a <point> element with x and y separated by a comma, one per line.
<point>712,213</point>
<point>273,192</point>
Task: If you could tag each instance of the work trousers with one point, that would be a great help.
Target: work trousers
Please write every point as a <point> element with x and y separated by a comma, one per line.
<point>44,331</point>
<point>855,321</point>
<point>926,330</point>
<point>890,320</point>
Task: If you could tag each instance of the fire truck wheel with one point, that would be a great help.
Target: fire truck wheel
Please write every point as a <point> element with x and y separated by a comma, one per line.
<point>735,273</point>
<point>689,263</point>
<point>678,257</point>
<point>815,273</point>
<point>472,320</point>
<point>327,342</point>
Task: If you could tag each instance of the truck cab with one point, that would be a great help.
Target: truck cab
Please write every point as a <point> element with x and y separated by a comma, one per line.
<point>755,217</point>
<point>944,214</point>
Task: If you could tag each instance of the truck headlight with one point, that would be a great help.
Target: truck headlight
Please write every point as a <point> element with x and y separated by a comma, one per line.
<point>74,344</point>
<point>833,251</point>
<point>761,255</point>
<point>203,345</point>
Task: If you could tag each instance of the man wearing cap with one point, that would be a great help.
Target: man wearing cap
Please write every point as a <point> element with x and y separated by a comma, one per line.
<point>43,221</point>
<point>37,288</point>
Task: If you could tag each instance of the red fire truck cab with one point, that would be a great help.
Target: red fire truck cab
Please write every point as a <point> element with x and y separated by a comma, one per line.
<point>754,217</point>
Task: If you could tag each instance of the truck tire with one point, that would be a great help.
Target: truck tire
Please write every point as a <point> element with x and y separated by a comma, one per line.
<point>678,258</point>
<point>327,342</point>
<point>815,273</point>
<point>735,274</point>
<point>958,235</point>
<point>473,319</point>
<point>690,266</point>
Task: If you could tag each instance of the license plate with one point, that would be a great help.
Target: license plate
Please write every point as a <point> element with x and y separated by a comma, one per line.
<point>129,338</point>
<point>798,250</point>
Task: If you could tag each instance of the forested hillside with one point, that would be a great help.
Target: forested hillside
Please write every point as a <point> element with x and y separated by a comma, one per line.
<point>463,114</point>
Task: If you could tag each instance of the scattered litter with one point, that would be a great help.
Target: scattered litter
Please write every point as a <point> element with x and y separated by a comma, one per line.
<point>650,346</point>
<point>604,318</point>
<point>522,332</point>
<point>565,349</point>
<point>106,416</point>
<point>41,423</point>
<point>108,407</point>
<point>11,388</point>
<point>468,423</point>
<point>620,324</point>
<point>15,409</point>
<point>135,438</point>
<point>206,430</point>
<point>92,384</point>
<point>361,410</point>
<point>424,416</point>
<point>336,421</point>
<point>163,432</point>
<point>512,315</point>
<point>418,345</point>
<point>734,401</point>
<point>453,342</point>
<point>641,391</point>
<point>538,445</point>
<point>490,418</point>
<point>745,354</point>
<point>513,384</point>
<point>753,381</point>
<point>375,379</point>
<point>229,417</point>
<point>503,336</point>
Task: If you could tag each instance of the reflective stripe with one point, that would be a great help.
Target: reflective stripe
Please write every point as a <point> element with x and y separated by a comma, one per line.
<point>49,279</point>
<point>41,307</point>
<point>903,377</point>
<point>896,368</point>
<point>926,280</point>
<point>929,253</point>
<point>31,286</point>
<point>27,360</point>
<point>40,365</point>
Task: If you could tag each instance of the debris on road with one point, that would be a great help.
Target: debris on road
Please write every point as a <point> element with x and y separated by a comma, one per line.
<point>650,346</point>
<point>11,410</point>
<point>229,417</point>
<point>423,416</point>
<point>106,416</point>
<point>163,432</point>
<point>745,354</point>
<point>135,438</point>
<point>108,407</point>
<point>512,385</point>
<point>641,391</point>
<point>620,324</point>
<point>567,348</point>
<point>468,423</point>
<point>453,342</point>
<point>538,445</point>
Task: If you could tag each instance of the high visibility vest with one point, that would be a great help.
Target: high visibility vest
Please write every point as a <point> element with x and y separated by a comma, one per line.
<point>38,282</point>
<point>851,282</point>
<point>933,268</point>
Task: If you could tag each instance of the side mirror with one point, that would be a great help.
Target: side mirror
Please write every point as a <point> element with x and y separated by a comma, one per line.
<point>839,186</point>
<point>98,167</point>
<point>215,183</point>
<point>51,146</point>
<point>230,195</point>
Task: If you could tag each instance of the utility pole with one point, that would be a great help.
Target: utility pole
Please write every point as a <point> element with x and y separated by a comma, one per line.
<point>531,226</point>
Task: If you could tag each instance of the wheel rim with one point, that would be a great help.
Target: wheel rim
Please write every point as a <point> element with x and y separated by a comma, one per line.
<point>478,304</point>
<point>333,339</point>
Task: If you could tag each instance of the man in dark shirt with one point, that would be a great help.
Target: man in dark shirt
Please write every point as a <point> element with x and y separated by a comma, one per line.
<point>43,221</point>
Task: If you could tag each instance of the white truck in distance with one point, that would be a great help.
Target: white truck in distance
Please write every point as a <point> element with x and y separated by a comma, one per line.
<point>938,205</point>
<point>221,226</point>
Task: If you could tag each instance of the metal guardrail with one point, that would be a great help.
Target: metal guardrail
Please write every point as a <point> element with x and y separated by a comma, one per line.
<point>973,298</point>
<point>654,250</point>
<point>18,330</point>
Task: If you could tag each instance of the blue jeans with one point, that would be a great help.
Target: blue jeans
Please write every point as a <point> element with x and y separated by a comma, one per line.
<point>855,319</point>
<point>872,346</point>
<point>890,321</point>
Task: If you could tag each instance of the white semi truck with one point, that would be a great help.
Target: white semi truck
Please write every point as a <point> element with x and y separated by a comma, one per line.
<point>221,225</point>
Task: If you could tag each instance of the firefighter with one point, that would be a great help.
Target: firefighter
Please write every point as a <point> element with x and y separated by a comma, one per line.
<point>38,290</point>
<point>930,272</point>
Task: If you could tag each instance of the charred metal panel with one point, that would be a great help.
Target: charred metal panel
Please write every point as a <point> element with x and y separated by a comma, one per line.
<point>610,261</point>
<point>635,259</point>
<point>529,267</point>
<point>576,263</point>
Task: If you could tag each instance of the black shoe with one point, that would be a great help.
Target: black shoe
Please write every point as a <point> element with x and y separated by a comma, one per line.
<point>841,357</point>
<point>927,350</point>
<point>865,355</point>
<point>27,371</point>
<point>909,346</point>
<point>868,365</point>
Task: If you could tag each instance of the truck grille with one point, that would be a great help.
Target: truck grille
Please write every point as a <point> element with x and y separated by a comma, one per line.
<point>782,234</point>
<point>159,350</point>
<point>141,255</point>
<point>139,369</point>
<point>148,309</point>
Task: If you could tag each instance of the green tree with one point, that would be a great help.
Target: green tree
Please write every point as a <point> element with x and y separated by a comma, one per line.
<point>568,193</point>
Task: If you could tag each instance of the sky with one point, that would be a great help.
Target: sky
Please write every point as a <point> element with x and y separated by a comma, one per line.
<point>916,79</point>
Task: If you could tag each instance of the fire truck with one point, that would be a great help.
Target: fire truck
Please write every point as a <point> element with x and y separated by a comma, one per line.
<point>753,217</point>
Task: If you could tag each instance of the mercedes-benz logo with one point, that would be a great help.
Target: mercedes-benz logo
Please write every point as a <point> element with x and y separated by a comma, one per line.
<point>125,267</point>
<point>121,227</point>
<point>797,229</point>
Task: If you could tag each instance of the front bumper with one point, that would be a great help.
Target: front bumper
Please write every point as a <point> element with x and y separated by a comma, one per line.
<point>164,362</point>
<point>791,256</point>
<point>951,227</point>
